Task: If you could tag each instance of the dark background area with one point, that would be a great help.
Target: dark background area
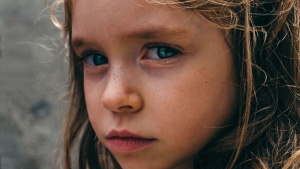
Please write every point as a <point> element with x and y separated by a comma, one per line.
<point>33,78</point>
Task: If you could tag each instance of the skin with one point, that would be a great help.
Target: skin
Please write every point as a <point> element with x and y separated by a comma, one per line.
<point>181,101</point>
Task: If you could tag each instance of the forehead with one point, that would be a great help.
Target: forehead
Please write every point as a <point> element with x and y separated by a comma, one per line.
<point>122,9</point>
<point>119,17</point>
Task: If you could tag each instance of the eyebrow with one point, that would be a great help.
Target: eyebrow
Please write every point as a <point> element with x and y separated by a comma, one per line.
<point>154,32</point>
<point>141,33</point>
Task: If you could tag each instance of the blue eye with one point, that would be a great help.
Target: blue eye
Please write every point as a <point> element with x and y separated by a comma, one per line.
<point>162,52</point>
<point>95,59</point>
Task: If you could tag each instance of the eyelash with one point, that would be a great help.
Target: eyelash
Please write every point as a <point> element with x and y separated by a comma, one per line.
<point>177,51</point>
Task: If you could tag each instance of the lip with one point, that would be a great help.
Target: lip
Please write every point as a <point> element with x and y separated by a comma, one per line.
<point>125,141</point>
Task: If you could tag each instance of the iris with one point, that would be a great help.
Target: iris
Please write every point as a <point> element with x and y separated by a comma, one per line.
<point>166,52</point>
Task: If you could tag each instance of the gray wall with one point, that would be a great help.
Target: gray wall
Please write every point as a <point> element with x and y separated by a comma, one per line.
<point>33,76</point>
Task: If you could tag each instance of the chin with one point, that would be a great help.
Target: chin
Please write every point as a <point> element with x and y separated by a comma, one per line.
<point>140,164</point>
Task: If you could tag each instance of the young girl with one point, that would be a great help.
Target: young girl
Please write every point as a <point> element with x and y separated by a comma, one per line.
<point>182,84</point>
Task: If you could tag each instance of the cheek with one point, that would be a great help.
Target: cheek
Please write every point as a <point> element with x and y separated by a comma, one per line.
<point>192,109</point>
<point>93,90</point>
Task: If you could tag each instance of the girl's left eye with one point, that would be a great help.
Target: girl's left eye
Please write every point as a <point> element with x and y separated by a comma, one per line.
<point>162,52</point>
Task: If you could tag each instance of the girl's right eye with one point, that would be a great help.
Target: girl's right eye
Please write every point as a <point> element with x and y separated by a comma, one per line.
<point>95,59</point>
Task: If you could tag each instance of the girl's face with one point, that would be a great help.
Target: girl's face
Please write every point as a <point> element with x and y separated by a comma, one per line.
<point>158,80</point>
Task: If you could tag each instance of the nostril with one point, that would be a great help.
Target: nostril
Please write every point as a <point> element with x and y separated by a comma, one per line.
<point>126,107</point>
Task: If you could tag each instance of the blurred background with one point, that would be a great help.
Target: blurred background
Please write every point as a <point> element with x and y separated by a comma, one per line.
<point>33,77</point>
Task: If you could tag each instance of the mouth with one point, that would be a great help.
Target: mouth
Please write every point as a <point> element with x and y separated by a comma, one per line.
<point>125,141</point>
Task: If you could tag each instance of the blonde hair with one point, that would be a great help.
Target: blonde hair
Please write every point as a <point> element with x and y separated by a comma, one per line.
<point>265,41</point>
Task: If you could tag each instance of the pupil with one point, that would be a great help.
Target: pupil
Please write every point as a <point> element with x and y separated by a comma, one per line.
<point>165,53</point>
<point>99,60</point>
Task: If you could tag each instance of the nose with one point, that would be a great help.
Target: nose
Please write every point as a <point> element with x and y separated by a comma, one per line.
<point>120,94</point>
